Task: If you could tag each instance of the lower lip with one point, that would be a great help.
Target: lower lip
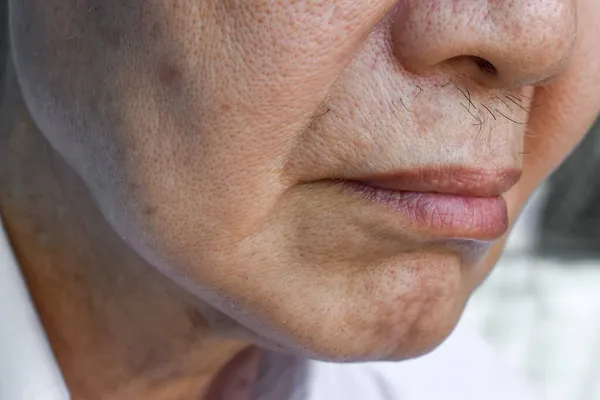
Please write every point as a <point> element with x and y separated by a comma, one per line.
<point>441,215</point>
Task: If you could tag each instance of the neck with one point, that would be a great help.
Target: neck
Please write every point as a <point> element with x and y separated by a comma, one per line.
<point>119,329</point>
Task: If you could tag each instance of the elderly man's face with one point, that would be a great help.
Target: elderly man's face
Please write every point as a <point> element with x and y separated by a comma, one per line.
<point>329,174</point>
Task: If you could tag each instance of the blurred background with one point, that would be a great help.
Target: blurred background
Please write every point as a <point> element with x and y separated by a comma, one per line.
<point>541,306</point>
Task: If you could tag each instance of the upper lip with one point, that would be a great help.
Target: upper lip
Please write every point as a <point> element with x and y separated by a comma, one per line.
<point>455,180</point>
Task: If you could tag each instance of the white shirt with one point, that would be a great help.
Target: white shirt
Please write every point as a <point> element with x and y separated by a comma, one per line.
<point>462,368</point>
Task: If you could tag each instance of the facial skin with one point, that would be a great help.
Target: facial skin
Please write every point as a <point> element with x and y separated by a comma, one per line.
<point>209,132</point>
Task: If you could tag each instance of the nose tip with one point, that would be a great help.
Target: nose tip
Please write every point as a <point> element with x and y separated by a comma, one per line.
<point>507,43</point>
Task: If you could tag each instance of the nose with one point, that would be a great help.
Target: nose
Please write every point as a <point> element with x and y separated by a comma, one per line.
<point>498,43</point>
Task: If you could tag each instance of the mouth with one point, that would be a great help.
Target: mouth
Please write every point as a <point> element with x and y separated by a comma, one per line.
<point>444,203</point>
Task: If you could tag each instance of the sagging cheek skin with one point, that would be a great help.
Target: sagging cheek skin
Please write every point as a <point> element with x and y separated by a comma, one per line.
<point>187,113</point>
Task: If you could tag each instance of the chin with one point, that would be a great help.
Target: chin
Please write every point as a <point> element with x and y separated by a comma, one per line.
<point>396,311</point>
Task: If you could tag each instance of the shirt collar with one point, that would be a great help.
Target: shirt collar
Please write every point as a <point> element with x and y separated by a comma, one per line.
<point>28,367</point>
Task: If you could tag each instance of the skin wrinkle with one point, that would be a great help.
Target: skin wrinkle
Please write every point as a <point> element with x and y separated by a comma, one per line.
<point>192,151</point>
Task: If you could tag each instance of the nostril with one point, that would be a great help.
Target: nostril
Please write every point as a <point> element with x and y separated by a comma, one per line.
<point>485,66</point>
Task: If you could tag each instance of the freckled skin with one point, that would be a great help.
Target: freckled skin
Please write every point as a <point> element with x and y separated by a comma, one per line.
<point>201,132</point>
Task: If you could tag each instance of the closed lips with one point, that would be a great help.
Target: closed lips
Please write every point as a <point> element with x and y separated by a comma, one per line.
<point>450,203</point>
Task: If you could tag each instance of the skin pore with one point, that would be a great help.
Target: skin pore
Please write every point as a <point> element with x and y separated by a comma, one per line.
<point>164,167</point>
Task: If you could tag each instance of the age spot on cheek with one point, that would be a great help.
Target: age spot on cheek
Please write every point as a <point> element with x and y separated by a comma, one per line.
<point>168,74</point>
